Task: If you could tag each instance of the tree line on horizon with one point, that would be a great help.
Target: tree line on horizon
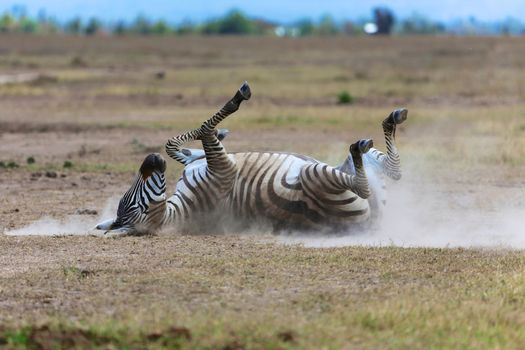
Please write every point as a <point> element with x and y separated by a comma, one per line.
<point>235,22</point>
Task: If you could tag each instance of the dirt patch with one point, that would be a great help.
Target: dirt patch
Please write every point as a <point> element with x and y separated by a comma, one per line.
<point>173,332</point>
<point>44,338</point>
<point>24,128</point>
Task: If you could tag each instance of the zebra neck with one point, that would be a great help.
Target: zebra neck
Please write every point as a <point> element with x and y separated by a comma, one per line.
<point>178,209</point>
<point>155,217</point>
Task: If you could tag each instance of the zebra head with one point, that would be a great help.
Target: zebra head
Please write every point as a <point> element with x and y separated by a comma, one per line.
<point>144,202</point>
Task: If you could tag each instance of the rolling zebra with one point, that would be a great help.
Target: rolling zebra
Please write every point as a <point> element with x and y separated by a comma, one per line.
<point>286,190</point>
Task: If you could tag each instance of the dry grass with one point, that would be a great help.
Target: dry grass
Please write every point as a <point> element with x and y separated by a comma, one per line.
<point>465,129</point>
<point>230,289</point>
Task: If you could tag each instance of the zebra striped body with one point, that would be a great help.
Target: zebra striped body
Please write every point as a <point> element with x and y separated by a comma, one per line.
<point>287,191</point>
<point>373,162</point>
<point>281,189</point>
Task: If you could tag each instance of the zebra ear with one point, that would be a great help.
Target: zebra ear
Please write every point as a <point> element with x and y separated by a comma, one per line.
<point>105,225</point>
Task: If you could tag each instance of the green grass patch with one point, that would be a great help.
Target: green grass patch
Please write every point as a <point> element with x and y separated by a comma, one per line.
<point>19,338</point>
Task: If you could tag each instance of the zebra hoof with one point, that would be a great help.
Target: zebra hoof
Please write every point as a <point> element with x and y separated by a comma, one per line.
<point>399,115</point>
<point>245,91</point>
<point>243,94</point>
<point>365,145</point>
<point>361,146</point>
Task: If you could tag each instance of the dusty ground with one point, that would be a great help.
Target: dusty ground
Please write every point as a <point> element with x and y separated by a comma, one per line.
<point>100,107</point>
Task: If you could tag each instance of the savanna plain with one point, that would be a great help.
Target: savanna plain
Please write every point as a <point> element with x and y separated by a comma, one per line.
<point>78,115</point>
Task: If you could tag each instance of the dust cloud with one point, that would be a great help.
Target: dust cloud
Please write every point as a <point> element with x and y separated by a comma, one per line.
<point>421,213</point>
<point>72,225</point>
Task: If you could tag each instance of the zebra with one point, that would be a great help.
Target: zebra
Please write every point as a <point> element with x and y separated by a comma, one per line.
<point>287,191</point>
<point>377,164</point>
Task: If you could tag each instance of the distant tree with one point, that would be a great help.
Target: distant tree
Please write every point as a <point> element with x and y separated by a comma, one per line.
<point>160,28</point>
<point>27,25</point>
<point>142,25</point>
<point>235,22</point>
<point>7,23</point>
<point>263,27</point>
<point>384,19</point>
<point>93,26</point>
<point>210,27</point>
<point>50,26</point>
<point>74,26</point>
<point>418,24</point>
<point>47,24</point>
<point>327,26</point>
<point>509,26</point>
<point>306,27</point>
<point>120,28</point>
<point>348,28</point>
<point>186,27</point>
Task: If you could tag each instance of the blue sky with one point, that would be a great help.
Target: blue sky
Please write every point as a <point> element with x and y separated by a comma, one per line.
<point>278,10</point>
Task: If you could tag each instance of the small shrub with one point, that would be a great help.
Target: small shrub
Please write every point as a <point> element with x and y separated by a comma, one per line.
<point>344,97</point>
<point>68,164</point>
<point>8,165</point>
<point>78,61</point>
<point>361,75</point>
<point>30,160</point>
<point>73,271</point>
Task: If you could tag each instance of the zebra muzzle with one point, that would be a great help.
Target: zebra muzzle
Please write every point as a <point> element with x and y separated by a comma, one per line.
<point>105,225</point>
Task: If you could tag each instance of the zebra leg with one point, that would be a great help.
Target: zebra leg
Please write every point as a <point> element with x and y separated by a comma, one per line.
<point>390,163</point>
<point>220,171</point>
<point>324,178</point>
<point>188,155</point>
<point>244,93</point>
<point>173,146</point>
<point>217,159</point>
<point>360,181</point>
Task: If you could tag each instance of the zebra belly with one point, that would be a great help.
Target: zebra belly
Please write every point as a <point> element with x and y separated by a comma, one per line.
<point>268,190</point>
<point>269,186</point>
